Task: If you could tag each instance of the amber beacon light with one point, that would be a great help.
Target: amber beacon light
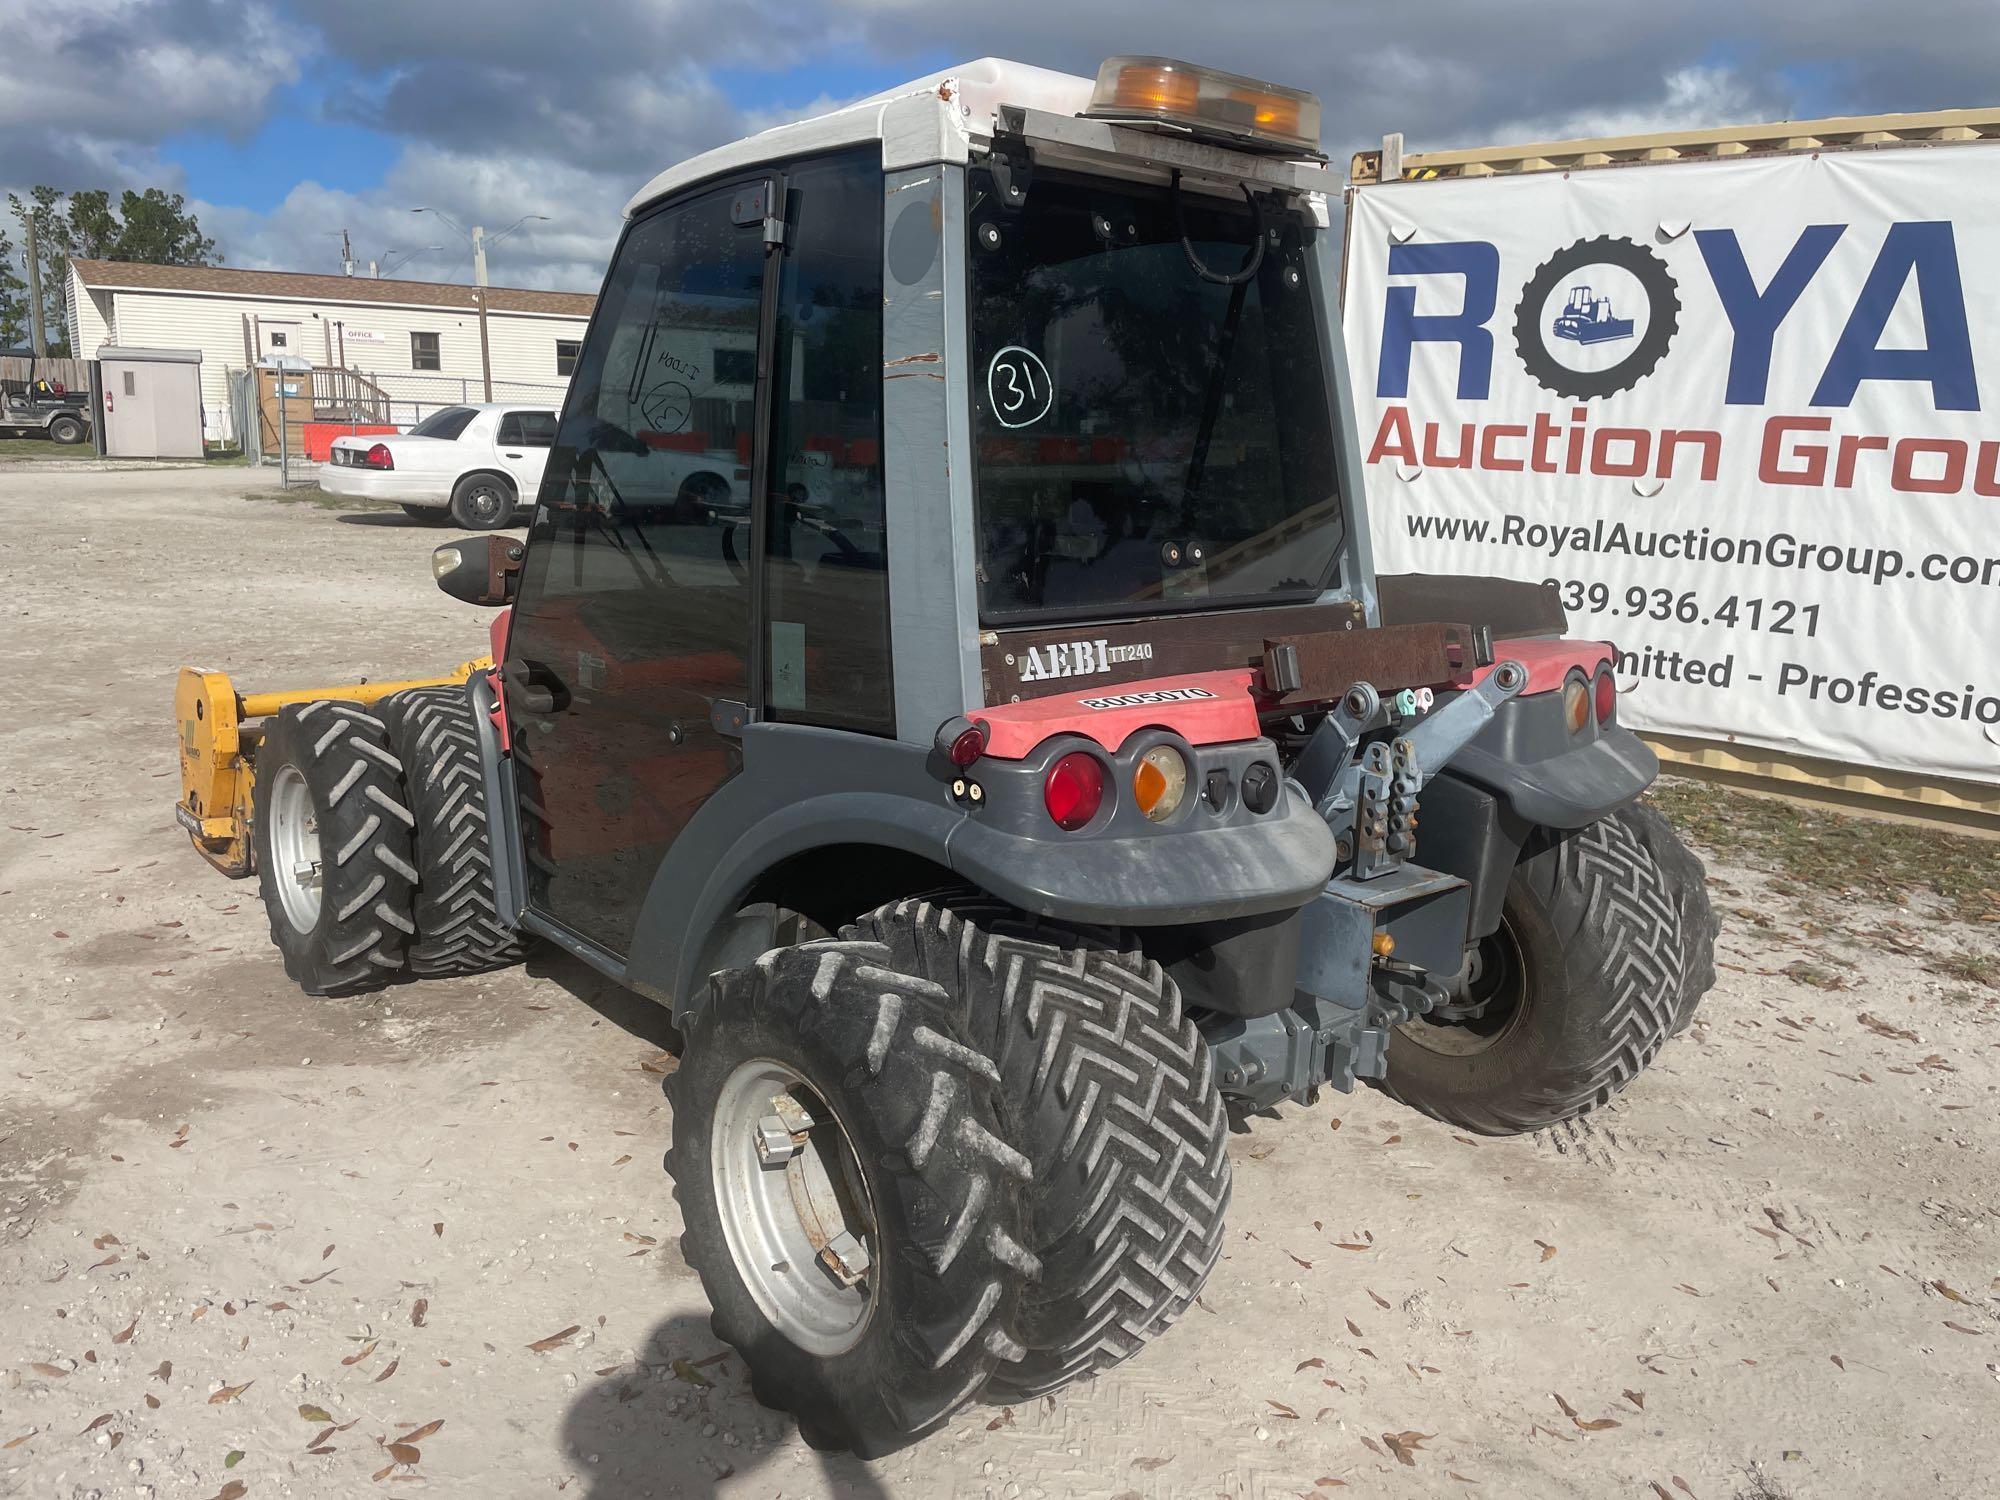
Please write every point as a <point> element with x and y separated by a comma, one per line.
<point>1245,111</point>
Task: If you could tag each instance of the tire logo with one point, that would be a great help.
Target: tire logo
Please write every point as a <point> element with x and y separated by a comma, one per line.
<point>1596,318</point>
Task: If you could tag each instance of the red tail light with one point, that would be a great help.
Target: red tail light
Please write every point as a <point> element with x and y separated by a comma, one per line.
<point>1607,697</point>
<point>1074,790</point>
<point>378,457</point>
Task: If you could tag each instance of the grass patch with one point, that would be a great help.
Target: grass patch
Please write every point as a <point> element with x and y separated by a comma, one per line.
<point>1828,853</point>
<point>14,448</point>
<point>319,499</point>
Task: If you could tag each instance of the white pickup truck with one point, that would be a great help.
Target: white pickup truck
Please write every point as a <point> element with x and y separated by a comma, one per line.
<point>479,464</point>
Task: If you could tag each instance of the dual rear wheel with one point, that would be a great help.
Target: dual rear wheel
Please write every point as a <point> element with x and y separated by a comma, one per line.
<point>954,1153</point>
<point>371,843</point>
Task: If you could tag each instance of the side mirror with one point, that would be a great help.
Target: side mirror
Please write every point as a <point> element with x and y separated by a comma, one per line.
<point>480,570</point>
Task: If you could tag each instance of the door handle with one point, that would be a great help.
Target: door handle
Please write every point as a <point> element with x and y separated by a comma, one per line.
<point>512,455</point>
<point>534,687</point>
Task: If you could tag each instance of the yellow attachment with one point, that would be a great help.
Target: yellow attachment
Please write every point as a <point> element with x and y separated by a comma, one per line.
<point>219,748</point>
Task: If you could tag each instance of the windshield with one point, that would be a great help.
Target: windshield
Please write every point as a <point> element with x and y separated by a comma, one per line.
<point>448,423</point>
<point>1146,437</point>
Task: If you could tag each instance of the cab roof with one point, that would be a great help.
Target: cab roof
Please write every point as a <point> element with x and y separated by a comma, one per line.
<point>934,118</point>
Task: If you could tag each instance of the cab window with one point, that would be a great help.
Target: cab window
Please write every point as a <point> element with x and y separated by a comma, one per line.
<point>826,585</point>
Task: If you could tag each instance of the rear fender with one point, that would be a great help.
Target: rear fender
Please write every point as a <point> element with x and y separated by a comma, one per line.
<point>897,799</point>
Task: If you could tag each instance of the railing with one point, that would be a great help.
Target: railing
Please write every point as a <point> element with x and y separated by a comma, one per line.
<point>346,395</point>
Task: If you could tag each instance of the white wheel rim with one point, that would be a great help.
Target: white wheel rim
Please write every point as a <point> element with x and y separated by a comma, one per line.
<point>295,848</point>
<point>794,1207</point>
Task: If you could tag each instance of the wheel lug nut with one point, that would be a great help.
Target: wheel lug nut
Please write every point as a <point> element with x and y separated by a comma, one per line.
<point>846,1257</point>
<point>775,1143</point>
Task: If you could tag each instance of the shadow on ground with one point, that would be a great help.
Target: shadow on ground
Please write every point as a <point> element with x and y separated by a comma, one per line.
<point>629,1011</point>
<point>681,1422</point>
<point>395,520</point>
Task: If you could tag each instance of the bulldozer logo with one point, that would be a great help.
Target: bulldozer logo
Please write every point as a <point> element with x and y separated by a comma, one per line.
<point>1596,318</point>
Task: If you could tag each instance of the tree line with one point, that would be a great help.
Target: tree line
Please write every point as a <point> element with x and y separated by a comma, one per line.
<point>152,226</point>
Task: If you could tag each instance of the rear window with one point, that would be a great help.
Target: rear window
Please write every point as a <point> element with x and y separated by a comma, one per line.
<point>1148,438</point>
<point>448,423</point>
<point>531,429</point>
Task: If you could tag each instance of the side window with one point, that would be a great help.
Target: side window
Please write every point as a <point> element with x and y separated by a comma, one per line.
<point>424,352</point>
<point>826,583</point>
<point>538,428</point>
<point>510,430</point>
<point>566,352</point>
<point>634,604</point>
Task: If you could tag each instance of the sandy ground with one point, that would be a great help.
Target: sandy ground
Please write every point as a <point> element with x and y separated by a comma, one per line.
<point>249,1241</point>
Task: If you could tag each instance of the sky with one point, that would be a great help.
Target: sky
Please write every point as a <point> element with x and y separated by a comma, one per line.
<point>286,122</point>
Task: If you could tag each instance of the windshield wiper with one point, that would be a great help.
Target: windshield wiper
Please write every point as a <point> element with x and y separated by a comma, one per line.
<point>1238,283</point>
<point>1211,401</point>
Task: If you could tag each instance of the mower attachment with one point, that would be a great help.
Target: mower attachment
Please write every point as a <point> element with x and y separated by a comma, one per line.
<point>219,747</point>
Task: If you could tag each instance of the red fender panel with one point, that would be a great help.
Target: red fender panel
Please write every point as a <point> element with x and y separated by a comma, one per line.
<point>1548,662</point>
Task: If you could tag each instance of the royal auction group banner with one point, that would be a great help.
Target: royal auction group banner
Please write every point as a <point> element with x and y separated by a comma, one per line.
<point>1741,413</point>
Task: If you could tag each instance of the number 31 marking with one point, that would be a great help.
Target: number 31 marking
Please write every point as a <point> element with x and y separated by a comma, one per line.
<point>1018,387</point>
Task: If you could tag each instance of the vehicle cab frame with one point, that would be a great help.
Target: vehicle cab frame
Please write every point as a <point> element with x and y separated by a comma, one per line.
<point>882,810</point>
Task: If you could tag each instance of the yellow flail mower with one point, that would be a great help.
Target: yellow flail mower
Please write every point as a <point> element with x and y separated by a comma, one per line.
<point>220,732</point>
<point>360,809</point>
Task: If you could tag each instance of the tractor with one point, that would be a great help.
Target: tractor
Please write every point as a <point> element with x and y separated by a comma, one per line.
<point>1586,319</point>
<point>1035,777</point>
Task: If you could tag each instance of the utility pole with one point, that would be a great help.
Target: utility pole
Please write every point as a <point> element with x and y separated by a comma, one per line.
<point>479,270</point>
<point>485,353</point>
<point>37,336</point>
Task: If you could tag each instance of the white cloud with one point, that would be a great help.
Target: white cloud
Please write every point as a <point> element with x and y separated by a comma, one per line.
<point>516,107</point>
<point>88,88</point>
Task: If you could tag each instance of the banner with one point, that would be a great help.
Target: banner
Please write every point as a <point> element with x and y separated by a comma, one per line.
<point>1739,412</point>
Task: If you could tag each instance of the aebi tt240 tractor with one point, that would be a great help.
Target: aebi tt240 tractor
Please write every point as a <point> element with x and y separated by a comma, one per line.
<point>1034,772</point>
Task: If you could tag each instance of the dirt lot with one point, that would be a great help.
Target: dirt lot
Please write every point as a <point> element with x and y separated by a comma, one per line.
<point>249,1241</point>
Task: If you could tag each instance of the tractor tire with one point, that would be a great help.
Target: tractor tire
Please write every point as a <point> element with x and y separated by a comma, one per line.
<point>482,502</point>
<point>1034,1147</point>
<point>332,847</point>
<point>1687,878</point>
<point>68,431</point>
<point>459,927</point>
<point>1589,976</point>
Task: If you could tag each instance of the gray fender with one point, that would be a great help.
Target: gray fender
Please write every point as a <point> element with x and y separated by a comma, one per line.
<point>869,791</point>
<point>1523,771</point>
<point>1570,789</point>
<point>895,796</point>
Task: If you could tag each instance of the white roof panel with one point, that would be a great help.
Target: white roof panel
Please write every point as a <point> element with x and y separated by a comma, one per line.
<point>957,105</point>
